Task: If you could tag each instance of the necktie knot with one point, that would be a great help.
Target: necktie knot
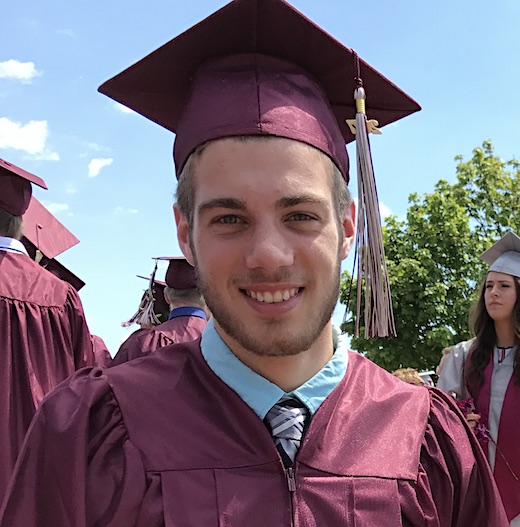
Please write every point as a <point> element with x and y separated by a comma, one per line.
<point>286,419</point>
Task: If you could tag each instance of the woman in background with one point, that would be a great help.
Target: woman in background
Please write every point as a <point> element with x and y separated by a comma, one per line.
<point>487,368</point>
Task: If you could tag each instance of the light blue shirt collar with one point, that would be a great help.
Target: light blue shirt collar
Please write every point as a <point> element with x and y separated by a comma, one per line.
<point>11,245</point>
<point>255,390</point>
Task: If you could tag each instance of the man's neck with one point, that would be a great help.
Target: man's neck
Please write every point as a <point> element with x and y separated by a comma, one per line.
<point>287,372</point>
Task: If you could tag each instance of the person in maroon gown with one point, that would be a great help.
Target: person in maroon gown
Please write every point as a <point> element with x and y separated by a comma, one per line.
<point>43,334</point>
<point>259,422</point>
<point>186,320</point>
<point>102,356</point>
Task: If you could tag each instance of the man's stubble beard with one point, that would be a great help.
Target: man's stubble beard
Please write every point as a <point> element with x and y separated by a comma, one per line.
<point>276,339</point>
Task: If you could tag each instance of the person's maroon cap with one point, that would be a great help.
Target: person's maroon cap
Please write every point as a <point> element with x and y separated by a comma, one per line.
<point>59,270</point>
<point>256,67</point>
<point>180,274</point>
<point>15,188</point>
<point>45,231</point>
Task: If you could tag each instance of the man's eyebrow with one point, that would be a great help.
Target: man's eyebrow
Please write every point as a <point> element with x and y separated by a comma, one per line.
<point>221,203</point>
<point>292,201</point>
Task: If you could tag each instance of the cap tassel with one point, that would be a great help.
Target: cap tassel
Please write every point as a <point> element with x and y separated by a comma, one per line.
<point>371,262</point>
<point>145,314</point>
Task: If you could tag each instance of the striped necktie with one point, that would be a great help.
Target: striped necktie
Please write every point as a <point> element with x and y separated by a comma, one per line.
<point>286,420</point>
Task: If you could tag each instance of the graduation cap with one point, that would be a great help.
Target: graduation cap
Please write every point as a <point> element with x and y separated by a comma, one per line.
<point>153,308</point>
<point>59,270</point>
<point>45,232</point>
<point>256,67</point>
<point>15,188</point>
<point>180,274</point>
<point>260,67</point>
<point>504,256</point>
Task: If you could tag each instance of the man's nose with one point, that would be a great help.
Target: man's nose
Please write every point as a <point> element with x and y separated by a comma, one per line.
<point>269,248</point>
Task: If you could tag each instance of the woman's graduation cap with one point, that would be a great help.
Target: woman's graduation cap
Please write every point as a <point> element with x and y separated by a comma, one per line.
<point>15,188</point>
<point>259,67</point>
<point>504,256</point>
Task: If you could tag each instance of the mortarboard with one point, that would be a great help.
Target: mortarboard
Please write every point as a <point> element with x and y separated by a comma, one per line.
<point>504,256</point>
<point>180,274</point>
<point>153,308</point>
<point>45,237</point>
<point>45,232</point>
<point>59,270</point>
<point>256,67</point>
<point>15,188</point>
<point>260,67</point>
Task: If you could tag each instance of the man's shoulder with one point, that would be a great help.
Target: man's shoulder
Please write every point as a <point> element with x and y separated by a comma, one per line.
<point>27,281</point>
<point>366,369</point>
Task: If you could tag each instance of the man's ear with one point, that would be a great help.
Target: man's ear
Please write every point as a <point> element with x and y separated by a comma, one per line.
<point>183,234</point>
<point>349,229</point>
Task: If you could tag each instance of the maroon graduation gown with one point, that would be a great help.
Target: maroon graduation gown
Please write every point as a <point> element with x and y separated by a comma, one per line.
<point>162,441</point>
<point>102,356</point>
<point>43,339</point>
<point>144,341</point>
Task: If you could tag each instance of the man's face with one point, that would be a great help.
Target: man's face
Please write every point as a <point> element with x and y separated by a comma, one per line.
<point>266,242</point>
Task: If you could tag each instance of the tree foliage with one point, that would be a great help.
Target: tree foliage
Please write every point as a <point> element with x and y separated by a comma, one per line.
<point>433,259</point>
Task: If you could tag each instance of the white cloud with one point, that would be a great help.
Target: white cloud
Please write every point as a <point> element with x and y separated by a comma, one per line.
<point>121,210</point>
<point>96,164</point>
<point>56,208</point>
<point>20,71</point>
<point>30,138</point>
<point>47,155</point>
<point>67,33</point>
<point>71,188</point>
<point>123,108</point>
<point>384,210</point>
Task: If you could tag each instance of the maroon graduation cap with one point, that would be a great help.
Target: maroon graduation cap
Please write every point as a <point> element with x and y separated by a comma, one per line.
<point>15,187</point>
<point>45,232</point>
<point>153,308</point>
<point>59,270</point>
<point>180,274</point>
<point>256,67</point>
<point>45,237</point>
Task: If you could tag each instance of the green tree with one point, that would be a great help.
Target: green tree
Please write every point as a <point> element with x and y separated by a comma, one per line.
<point>433,259</point>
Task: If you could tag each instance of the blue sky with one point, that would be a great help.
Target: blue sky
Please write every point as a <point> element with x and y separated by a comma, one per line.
<point>110,172</point>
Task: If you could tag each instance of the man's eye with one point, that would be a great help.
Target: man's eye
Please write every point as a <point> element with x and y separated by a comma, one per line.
<point>228,219</point>
<point>301,216</point>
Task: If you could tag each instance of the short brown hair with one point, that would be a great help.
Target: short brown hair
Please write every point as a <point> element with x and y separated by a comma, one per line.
<point>185,194</point>
<point>10,226</point>
<point>188,297</point>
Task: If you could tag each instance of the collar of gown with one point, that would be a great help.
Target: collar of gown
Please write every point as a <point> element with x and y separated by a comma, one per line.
<point>11,245</point>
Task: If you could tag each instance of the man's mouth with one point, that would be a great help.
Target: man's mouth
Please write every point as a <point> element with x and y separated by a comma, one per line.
<point>272,297</point>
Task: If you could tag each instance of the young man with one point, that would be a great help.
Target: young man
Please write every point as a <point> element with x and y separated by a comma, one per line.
<point>258,423</point>
<point>186,320</point>
<point>43,334</point>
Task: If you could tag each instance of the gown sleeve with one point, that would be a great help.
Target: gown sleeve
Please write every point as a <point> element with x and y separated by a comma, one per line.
<point>451,378</point>
<point>455,486</point>
<point>82,345</point>
<point>77,466</point>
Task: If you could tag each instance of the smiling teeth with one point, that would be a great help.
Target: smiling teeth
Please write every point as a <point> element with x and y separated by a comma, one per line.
<point>273,298</point>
